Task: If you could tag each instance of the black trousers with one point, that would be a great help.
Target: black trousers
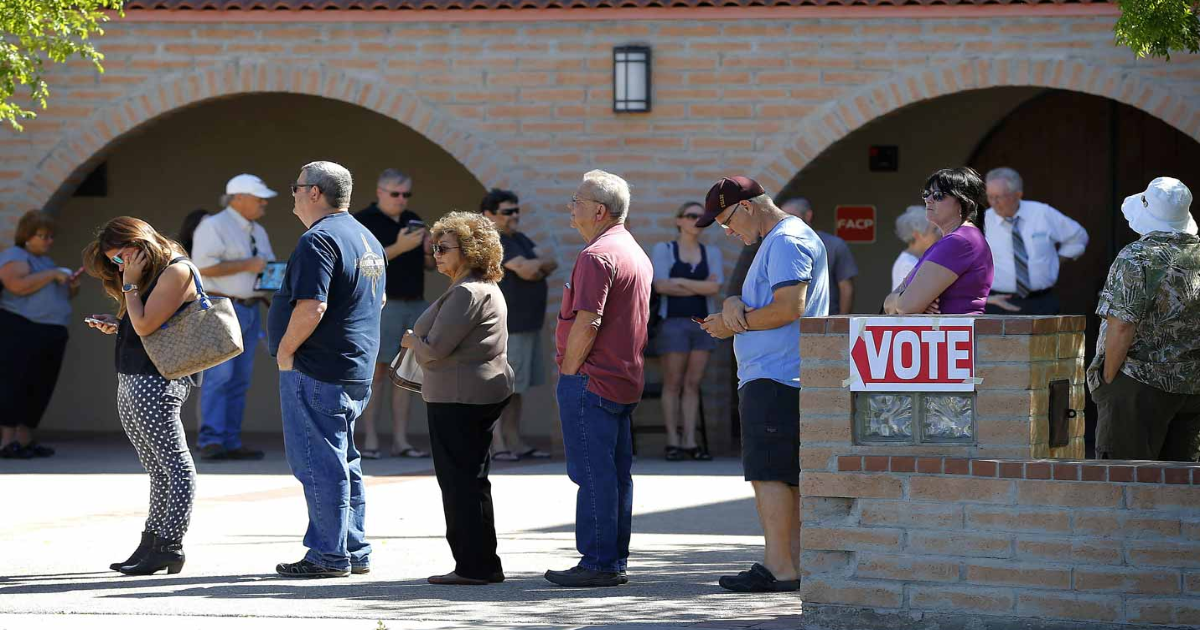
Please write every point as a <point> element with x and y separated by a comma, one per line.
<point>1042,304</point>
<point>1139,421</point>
<point>460,436</point>
<point>33,357</point>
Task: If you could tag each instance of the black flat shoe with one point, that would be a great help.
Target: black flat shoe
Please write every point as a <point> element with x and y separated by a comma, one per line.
<point>758,579</point>
<point>306,569</point>
<point>163,554</point>
<point>579,577</point>
<point>15,451</point>
<point>142,549</point>
<point>38,450</point>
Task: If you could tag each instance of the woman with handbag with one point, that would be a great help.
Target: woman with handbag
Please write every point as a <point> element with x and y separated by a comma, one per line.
<point>140,271</point>
<point>461,344</point>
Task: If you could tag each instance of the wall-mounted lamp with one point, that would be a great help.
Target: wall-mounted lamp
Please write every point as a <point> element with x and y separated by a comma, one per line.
<point>631,79</point>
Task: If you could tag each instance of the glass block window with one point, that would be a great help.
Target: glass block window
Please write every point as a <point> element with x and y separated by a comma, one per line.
<point>914,418</point>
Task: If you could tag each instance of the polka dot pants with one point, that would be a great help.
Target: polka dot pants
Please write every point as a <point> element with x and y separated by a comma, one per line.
<point>149,408</point>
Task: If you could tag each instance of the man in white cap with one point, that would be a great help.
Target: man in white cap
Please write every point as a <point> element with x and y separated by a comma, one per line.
<point>1145,378</point>
<point>232,249</point>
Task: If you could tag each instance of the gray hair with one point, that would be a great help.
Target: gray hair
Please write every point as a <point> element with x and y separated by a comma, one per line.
<point>761,203</point>
<point>912,221</point>
<point>394,176</point>
<point>1007,175</point>
<point>223,201</point>
<point>333,180</point>
<point>804,203</point>
<point>610,190</point>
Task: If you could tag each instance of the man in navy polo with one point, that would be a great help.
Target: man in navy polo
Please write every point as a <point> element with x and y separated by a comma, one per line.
<point>787,280</point>
<point>323,328</point>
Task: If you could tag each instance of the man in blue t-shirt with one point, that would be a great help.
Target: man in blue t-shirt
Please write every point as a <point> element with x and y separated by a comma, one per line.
<point>787,280</point>
<point>323,330</point>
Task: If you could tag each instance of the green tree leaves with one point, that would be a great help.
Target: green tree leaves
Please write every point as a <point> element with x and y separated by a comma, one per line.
<point>34,32</point>
<point>1153,28</point>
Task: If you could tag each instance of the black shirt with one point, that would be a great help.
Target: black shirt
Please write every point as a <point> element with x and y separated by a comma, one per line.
<point>131,355</point>
<point>339,263</point>
<point>406,272</point>
<point>526,298</point>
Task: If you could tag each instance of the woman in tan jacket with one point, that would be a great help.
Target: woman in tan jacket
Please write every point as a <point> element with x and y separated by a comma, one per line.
<point>460,342</point>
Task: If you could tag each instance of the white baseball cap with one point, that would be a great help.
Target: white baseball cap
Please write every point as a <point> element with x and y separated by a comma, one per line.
<point>1164,207</point>
<point>249,185</point>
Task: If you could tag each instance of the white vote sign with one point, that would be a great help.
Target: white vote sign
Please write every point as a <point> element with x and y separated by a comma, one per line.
<point>912,354</point>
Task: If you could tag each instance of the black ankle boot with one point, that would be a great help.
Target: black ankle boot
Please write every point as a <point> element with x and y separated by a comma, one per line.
<point>142,548</point>
<point>163,554</point>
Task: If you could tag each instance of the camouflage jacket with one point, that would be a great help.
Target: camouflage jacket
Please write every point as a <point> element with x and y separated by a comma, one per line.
<point>1155,283</point>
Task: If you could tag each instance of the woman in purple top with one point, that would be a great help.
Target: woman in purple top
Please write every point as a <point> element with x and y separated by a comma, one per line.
<point>955,274</point>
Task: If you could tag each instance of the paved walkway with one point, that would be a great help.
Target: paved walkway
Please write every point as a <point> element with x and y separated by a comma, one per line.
<point>693,521</point>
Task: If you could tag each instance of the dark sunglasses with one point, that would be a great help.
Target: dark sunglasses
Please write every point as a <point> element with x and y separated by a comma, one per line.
<point>936,195</point>
<point>117,260</point>
<point>508,212</point>
<point>296,187</point>
<point>439,249</point>
<point>396,194</point>
<point>690,215</point>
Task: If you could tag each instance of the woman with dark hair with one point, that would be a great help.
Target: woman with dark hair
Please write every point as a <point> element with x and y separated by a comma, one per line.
<point>954,275</point>
<point>35,310</point>
<point>461,344</point>
<point>188,230</point>
<point>688,274</point>
<point>139,270</point>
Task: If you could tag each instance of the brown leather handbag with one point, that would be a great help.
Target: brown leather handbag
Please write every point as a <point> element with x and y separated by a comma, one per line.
<point>201,334</point>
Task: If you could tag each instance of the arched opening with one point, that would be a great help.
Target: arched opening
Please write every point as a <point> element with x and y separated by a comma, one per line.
<point>1082,154</point>
<point>181,161</point>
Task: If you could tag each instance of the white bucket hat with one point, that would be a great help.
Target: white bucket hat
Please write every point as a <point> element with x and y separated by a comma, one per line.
<point>251,185</point>
<point>1164,207</point>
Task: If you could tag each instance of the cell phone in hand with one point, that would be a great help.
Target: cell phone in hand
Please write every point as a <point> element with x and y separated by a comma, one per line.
<point>100,322</point>
<point>78,272</point>
<point>414,225</point>
<point>698,320</point>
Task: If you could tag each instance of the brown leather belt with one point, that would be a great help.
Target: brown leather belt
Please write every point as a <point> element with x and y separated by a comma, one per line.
<point>254,301</point>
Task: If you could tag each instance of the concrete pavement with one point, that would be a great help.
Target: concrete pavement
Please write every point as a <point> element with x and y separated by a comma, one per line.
<point>694,521</point>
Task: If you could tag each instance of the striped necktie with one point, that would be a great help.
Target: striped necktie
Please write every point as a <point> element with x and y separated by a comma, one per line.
<point>1020,258</point>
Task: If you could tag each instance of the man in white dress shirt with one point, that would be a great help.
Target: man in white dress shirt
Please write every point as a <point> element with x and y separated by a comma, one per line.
<point>231,250</point>
<point>1027,239</point>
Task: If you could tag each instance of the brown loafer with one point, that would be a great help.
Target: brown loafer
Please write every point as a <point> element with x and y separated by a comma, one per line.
<point>455,579</point>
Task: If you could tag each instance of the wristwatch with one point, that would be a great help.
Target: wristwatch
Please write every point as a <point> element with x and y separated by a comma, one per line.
<point>128,287</point>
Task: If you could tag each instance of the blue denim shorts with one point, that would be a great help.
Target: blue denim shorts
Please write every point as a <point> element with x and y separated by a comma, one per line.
<point>681,334</point>
<point>397,317</point>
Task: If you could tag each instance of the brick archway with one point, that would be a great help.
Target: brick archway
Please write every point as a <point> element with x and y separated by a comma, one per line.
<point>84,143</point>
<point>821,129</point>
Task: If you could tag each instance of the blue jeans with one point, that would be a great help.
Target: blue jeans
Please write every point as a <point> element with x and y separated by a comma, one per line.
<point>318,436</point>
<point>223,390</point>
<point>599,448</point>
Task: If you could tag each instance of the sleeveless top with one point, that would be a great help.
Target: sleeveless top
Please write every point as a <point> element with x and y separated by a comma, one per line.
<point>691,305</point>
<point>131,355</point>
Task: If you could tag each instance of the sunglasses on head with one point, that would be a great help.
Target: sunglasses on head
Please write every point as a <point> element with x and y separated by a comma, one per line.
<point>395,194</point>
<point>439,249</point>
<point>936,195</point>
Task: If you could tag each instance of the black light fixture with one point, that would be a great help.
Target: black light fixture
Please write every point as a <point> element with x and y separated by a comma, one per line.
<point>631,79</point>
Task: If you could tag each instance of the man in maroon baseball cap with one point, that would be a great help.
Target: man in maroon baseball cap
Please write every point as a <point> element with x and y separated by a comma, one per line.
<point>725,193</point>
<point>787,280</point>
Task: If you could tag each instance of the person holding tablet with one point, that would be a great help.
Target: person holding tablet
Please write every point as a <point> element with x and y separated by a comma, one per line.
<point>232,250</point>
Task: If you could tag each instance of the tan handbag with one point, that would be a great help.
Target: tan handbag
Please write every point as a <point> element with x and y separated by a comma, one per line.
<point>405,372</point>
<point>201,334</point>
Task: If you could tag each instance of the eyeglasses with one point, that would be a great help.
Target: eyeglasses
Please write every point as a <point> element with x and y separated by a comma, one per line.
<point>395,194</point>
<point>297,186</point>
<point>508,212</point>
<point>936,195</point>
<point>691,216</point>
<point>439,249</point>
<point>576,199</point>
<point>729,219</point>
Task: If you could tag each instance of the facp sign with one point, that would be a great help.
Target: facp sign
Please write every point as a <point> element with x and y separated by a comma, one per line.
<point>913,354</point>
<point>855,224</point>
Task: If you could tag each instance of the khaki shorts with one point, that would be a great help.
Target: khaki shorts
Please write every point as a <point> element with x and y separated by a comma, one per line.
<point>525,358</point>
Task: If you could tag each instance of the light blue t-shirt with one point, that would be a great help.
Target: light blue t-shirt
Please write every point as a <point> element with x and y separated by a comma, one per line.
<point>791,253</point>
<point>49,305</point>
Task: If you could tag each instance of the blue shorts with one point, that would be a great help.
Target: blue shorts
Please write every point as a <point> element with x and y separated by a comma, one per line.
<point>681,334</point>
<point>397,317</point>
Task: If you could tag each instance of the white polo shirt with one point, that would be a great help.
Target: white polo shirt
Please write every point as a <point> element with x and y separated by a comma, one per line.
<point>228,236</point>
<point>1047,234</point>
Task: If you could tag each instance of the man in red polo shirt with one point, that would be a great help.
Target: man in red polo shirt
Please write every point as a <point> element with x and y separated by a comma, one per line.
<point>600,337</point>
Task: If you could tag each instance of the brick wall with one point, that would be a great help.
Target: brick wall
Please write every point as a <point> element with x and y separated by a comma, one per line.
<point>1115,542</point>
<point>1015,356</point>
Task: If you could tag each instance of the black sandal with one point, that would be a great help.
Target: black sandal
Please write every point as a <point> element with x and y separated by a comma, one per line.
<point>675,454</point>
<point>758,579</point>
<point>38,450</point>
<point>698,454</point>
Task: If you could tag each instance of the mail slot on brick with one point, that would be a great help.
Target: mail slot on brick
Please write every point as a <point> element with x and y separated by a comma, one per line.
<point>916,378</point>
